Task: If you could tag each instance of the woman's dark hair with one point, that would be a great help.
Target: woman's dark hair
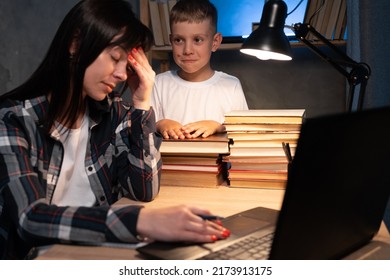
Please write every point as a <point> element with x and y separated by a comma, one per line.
<point>90,26</point>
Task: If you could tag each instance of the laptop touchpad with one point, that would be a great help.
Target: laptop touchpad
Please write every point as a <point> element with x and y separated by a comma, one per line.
<point>241,225</point>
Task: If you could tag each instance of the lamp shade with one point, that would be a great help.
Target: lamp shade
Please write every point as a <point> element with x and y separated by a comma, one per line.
<point>269,41</point>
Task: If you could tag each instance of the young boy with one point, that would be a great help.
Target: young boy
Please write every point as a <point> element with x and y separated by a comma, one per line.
<point>192,101</point>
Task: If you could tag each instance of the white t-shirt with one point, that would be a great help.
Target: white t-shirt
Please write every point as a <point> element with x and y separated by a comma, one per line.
<point>73,187</point>
<point>185,102</point>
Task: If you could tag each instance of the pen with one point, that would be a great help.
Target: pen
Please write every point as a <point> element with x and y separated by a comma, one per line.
<point>210,217</point>
<point>287,151</point>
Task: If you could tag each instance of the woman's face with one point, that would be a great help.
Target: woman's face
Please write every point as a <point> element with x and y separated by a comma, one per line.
<point>102,76</point>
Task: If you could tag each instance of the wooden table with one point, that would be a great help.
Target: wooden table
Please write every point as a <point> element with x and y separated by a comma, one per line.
<point>221,201</point>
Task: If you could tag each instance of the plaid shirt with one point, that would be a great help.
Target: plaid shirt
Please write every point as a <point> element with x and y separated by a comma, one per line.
<point>122,159</point>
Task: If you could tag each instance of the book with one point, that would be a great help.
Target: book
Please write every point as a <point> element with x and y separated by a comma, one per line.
<point>195,160</point>
<point>327,13</point>
<point>262,127</point>
<point>191,167</point>
<point>156,23</point>
<point>171,3</point>
<point>311,15</point>
<point>263,143</point>
<point>280,116</point>
<point>320,17</point>
<point>192,179</point>
<point>258,174</point>
<point>258,166</point>
<point>213,145</point>
<point>343,29</point>
<point>261,135</point>
<point>164,17</point>
<point>259,184</point>
<point>259,151</point>
<point>144,13</point>
<point>341,21</point>
<point>329,34</point>
<point>261,163</point>
<point>255,160</point>
<point>310,10</point>
<point>344,24</point>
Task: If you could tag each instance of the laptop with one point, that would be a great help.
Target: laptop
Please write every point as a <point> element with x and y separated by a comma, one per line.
<point>336,194</point>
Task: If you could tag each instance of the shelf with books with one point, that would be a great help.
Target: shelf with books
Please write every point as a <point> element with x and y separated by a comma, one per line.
<point>159,19</point>
<point>327,17</point>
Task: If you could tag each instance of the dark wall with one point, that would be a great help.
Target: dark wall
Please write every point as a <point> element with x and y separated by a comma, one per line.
<point>305,82</point>
<point>26,30</point>
<point>375,44</point>
<point>27,27</point>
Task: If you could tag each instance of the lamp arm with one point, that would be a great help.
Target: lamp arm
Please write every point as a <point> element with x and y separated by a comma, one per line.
<point>359,73</point>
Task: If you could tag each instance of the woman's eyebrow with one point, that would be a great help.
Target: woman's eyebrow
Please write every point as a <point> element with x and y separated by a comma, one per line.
<point>123,48</point>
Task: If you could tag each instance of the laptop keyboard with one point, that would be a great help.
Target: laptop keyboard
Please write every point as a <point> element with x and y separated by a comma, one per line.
<point>249,248</point>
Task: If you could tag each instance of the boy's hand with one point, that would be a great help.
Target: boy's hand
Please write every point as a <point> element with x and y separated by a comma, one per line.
<point>202,128</point>
<point>170,129</point>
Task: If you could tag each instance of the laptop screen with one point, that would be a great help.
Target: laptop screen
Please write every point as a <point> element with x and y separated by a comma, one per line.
<point>337,188</point>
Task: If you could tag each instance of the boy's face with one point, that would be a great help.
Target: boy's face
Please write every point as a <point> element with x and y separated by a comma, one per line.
<point>192,45</point>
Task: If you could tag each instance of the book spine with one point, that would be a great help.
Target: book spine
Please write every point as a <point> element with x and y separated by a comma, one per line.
<point>164,18</point>
<point>156,23</point>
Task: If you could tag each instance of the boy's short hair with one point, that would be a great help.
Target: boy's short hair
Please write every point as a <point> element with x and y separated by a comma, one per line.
<point>194,11</point>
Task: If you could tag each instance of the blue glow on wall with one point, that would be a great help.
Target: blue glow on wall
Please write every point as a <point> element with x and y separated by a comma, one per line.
<point>235,18</point>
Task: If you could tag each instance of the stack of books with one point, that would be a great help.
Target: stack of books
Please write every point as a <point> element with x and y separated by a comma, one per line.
<point>195,162</point>
<point>257,157</point>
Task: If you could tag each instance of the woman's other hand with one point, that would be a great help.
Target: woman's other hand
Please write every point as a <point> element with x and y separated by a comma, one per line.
<point>179,223</point>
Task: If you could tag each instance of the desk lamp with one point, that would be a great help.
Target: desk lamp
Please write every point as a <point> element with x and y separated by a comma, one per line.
<point>269,41</point>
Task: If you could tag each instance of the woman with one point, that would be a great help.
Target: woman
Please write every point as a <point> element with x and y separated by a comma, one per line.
<point>70,146</point>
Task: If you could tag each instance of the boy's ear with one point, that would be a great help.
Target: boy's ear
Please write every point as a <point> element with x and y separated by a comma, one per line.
<point>217,40</point>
